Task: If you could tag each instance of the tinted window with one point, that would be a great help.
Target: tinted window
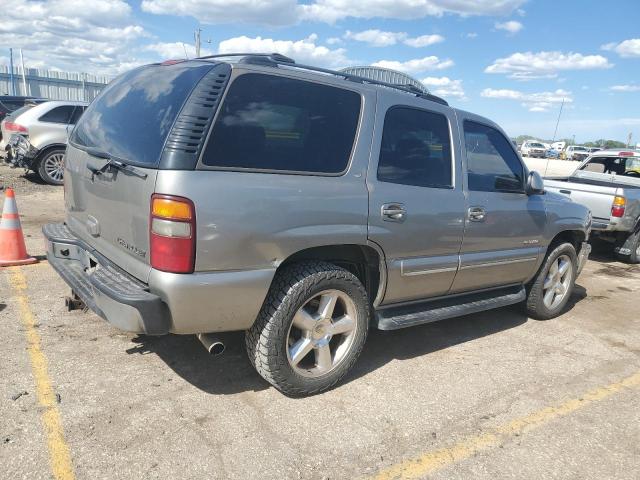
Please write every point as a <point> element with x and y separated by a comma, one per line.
<point>77,113</point>
<point>58,115</point>
<point>492,165</point>
<point>416,149</point>
<point>275,123</point>
<point>132,116</point>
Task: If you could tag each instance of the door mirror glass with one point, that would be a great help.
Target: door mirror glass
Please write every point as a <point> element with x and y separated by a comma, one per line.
<point>535,184</point>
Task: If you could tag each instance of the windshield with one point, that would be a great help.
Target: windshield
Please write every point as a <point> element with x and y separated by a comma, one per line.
<point>536,145</point>
<point>579,149</point>
<point>133,115</point>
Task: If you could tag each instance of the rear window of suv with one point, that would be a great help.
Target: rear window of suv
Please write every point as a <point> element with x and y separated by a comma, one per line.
<point>133,115</point>
<point>269,123</point>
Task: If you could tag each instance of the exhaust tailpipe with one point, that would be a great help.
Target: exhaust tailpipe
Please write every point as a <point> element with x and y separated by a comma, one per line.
<point>213,345</point>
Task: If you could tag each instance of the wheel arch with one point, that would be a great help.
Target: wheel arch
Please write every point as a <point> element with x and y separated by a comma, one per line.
<point>44,151</point>
<point>574,237</point>
<point>365,261</point>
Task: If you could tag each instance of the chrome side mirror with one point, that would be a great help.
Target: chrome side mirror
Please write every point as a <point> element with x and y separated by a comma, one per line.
<point>535,184</point>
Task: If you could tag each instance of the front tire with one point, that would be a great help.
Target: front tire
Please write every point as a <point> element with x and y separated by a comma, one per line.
<point>51,167</point>
<point>311,328</point>
<point>550,290</point>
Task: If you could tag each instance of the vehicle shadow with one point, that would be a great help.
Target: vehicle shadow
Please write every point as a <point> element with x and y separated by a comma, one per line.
<point>231,372</point>
<point>225,374</point>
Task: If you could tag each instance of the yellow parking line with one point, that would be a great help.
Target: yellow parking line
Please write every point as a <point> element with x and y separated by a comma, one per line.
<point>59,454</point>
<point>435,460</point>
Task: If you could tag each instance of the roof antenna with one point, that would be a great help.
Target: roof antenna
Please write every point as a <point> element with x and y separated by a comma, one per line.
<point>554,135</point>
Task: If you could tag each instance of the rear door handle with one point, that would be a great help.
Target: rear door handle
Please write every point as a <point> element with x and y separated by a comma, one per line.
<point>477,214</point>
<point>568,192</point>
<point>393,212</point>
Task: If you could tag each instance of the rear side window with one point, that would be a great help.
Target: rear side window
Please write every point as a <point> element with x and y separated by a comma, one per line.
<point>492,165</point>
<point>416,149</point>
<point>133,115</point>
<point>58,114</point>
<point>274,123</point>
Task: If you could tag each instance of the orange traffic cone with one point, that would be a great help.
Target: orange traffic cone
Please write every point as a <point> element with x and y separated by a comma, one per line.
<point>13,251</point>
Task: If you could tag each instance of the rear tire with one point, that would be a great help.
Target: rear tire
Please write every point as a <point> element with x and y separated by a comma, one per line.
<point>550,290</point>
<point>632,243</point>
<point>304,341</point>
<point>51,167</point>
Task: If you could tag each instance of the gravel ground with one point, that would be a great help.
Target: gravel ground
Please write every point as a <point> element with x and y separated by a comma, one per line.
<point>21,181</point>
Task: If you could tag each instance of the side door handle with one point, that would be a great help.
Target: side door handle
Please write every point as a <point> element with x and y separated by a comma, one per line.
<point>477,214</point>
<point>393,212</point>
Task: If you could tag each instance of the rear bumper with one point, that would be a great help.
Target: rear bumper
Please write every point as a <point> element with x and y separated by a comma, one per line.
<point>201,302</point>
<point>114,295</point>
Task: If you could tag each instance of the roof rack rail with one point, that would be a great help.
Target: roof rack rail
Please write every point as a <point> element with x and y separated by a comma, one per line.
<point>276,59</point>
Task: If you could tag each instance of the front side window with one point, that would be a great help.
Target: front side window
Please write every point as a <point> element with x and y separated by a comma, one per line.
<point>416,149</point>
<point>275,123</point>
<point>58,114</point>
<point>492,165</point>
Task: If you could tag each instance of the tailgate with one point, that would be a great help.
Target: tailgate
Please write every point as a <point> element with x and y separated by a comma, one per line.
<point>110,211</point>
<point>598,199</point>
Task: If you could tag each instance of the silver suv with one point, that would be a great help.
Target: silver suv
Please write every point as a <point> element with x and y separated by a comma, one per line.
<point>304,206</point>
<point>36,137</point>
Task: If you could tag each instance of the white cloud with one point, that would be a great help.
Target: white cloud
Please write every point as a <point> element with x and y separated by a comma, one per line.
<point>535,102</point>
<point>471,35</point>
<point>511,26</point>
<point>627,48</point>
<point>287,12</point>
<point>263,12</point>
<point>334,41</point>
<point>625,88</point>
<point>376,38</point>
<point>332,10</point>
<point>424,40</point>
<point>445,87</point>
<point>302,51</point>
<point>529,65</point>
<point>58,34</point>
<point>175,50</point>
<point>379,38</point>
<point>417,65</point>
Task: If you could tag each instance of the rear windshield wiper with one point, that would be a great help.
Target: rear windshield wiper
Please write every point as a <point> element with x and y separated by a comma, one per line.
<point>112,162</point>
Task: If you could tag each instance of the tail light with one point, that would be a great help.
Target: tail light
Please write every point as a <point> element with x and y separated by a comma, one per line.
<point>14,127</point>
<point>172,234</point>
<point>619,204</point>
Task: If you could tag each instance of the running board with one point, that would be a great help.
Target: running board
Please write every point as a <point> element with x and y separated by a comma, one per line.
<point>393,318</point>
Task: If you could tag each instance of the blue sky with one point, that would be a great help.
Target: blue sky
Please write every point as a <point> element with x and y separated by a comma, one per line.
<point>511,60</point>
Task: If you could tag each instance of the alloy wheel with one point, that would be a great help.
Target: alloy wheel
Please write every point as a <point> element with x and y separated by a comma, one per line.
<point>556,284</point>
<point>54,166</point>
<point>322,333</point>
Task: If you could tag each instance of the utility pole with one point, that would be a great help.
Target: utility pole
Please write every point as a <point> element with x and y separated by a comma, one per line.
<point>557,122</point>
<point>11,83</point>
<point>24,77</point>
<point>629,139</point>
<point>197,38</point>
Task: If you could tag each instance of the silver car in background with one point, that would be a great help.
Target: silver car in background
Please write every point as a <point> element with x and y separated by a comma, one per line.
<point>36,138</point>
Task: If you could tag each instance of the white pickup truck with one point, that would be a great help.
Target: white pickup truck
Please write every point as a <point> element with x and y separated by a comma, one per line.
<point>608,182</point>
